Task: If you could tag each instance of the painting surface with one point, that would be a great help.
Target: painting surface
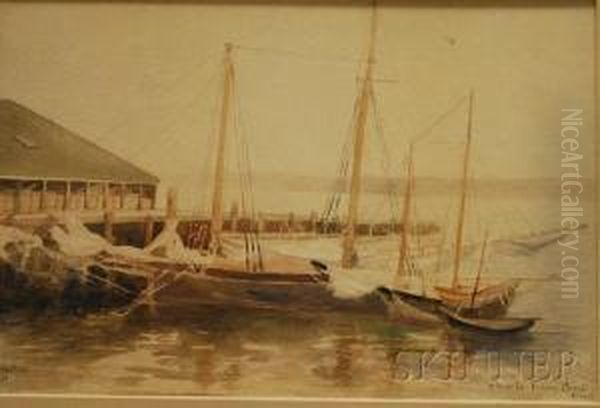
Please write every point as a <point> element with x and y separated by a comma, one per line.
<point>297,201</point>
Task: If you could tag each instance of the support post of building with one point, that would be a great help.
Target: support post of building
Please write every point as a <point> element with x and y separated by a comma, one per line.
<point>19,197</point>
<point>153,198</point>
<point>86,196</point>
<point>122,194</point>
<point>67,205</point>
<point>44,196</point>
<point>140,191</point>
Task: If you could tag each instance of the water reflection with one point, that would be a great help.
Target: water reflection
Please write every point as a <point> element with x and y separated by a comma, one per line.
<point>226,352</point>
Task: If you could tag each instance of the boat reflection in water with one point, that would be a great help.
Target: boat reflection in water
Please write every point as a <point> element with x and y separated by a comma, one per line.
<point>228,351</point>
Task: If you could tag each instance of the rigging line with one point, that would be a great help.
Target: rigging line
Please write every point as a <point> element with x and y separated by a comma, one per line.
<point>244,149</point>
<point>167,89</point>
<point>475,195</point>
<point>336,196</point>
<point>413,230</point>
<point>165,138</point>
<point>247,245</point>
<point>425,133</point>
<point>346,147</point>
<point>333,196</point>
<point>334,199</point>
<point>300,55</point>
<point>191,102</point>
<point>518,214</point>
<point>441,250</point>
<point>206,167</point>
<point>250,179</point>
<point>393,196</point>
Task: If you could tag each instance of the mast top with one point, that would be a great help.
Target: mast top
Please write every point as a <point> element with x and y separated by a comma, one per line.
<point>372,34</point>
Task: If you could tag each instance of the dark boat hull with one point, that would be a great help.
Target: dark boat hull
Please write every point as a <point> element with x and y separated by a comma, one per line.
<point>410,308</point>
<point>421,309</point>
<point>188,291</point>
<point>488,326</point>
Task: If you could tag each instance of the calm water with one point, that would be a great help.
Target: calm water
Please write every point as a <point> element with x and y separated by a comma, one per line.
<point>243,353</point>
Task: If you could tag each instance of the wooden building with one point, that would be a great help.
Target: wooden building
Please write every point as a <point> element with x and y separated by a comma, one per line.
<point>46,168</point>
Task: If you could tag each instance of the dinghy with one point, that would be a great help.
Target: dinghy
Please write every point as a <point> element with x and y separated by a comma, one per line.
<point>505,325</point>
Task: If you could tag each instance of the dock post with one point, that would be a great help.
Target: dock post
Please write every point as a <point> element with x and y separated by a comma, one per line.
<point>172,204</point>
<point>291,222</point>
<point>109,214</point>
<point>148,231</point>
<point>151,299</point>
<point>313,222</point>
<point>109,219</point>
<point>261,223</point>
<point>86,196</point>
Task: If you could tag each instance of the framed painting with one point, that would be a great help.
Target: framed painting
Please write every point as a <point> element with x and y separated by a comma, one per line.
<point>329,203</point>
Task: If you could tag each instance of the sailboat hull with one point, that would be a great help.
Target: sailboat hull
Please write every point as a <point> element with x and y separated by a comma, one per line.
<point>491,302</point>
<point>191,290</point>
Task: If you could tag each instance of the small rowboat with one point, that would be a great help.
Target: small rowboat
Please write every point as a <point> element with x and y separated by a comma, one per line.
<point>490,326</point>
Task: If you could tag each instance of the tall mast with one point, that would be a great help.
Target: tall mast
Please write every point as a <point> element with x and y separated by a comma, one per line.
<point>463,198</point>
<point>217,197</point>
<point>348,250</point>
<point>404,237</point>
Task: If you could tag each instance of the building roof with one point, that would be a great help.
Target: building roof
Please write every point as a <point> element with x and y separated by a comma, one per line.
<point>34,147</point>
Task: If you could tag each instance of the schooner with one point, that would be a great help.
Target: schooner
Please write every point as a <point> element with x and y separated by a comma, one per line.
<point>251,277</point>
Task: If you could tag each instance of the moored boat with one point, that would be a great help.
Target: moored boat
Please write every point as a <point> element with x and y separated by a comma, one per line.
<point>491,301</point>
<point>247,277</point>
<point>480,301</point>
<point>503,325</point>
<point>411,308</point>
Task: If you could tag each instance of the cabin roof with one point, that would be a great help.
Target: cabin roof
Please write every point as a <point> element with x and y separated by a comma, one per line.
<point>35,147</point>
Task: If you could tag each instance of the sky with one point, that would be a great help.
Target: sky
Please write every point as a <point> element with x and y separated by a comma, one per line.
<point>144,81</point>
